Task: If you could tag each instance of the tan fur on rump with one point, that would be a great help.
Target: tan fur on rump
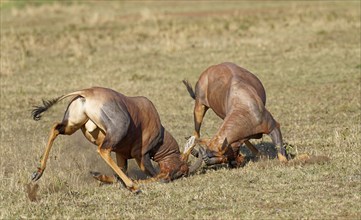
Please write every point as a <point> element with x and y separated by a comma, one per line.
<point>238,97</point>
<point>128,126</point>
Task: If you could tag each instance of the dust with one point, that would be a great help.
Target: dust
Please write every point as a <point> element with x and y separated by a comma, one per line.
<point>307,159</point>
<point>31,191</point>
<point>297,158</point>
<point>302,159</point>
<point>93,162</point>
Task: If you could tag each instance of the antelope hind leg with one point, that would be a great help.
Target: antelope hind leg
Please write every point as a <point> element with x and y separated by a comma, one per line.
<point>54,132</point>
<point>198,114</point>
<point>276,137</point>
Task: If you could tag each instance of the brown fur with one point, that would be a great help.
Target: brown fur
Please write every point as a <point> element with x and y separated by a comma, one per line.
<point>238,97</point>
<point>128,126</point>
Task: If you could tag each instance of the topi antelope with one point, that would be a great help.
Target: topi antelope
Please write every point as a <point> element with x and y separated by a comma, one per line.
<point>238,97</point>
<point>128,126</point>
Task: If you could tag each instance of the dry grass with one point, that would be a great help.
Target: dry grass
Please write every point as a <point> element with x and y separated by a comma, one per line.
<point>307,55</point>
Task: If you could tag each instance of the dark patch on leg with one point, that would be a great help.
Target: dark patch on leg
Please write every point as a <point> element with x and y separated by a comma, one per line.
<point>149,169</point>
<point>61,127</point>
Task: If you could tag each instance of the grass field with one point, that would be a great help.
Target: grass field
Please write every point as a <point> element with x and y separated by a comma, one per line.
<point>306,53</point>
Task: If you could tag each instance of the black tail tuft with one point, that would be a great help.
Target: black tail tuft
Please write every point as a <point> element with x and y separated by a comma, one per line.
<point>38,110</point>
<point>189,88</point>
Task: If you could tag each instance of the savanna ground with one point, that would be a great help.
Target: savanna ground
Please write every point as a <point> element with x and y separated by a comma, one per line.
<point>307,54</point>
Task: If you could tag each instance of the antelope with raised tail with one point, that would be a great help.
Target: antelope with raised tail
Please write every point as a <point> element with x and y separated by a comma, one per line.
<point>238,97</point>
<point>128,126</point>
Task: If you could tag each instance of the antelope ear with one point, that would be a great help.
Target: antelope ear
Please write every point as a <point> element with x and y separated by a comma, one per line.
<point>224,145</point>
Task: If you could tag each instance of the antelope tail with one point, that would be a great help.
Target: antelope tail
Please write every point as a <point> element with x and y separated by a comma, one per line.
<point>189,88</point>
<point>36,113</point>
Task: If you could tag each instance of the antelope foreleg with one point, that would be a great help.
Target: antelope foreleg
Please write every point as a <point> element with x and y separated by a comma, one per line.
<point>146,165</point>
<point>105,154</point>
<point>121,162</point>
<point>54,132</point>
<point>198,114</point>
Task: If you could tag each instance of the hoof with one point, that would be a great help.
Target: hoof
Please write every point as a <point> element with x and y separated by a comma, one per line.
<point>281,158</point>
<point>36,175</point>
<point>94,174</point>
<point>135,190</point>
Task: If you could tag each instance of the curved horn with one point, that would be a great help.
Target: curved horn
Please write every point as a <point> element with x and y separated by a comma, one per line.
<point>194,152</point>
<point>204,156</point>
<point>197,164</point>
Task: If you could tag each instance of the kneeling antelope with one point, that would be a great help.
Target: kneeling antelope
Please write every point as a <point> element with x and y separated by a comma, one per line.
<point>128,126</point>
<point>238,97</point>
